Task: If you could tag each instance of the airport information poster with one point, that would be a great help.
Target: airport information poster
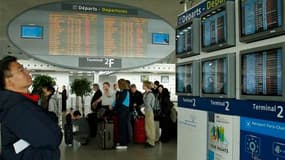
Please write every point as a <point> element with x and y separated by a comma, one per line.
<point>192,133</point>
<point>262,140</point>
<point>220,137</point>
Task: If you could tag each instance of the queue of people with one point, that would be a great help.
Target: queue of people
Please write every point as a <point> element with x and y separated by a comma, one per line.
<point>42,114</point>
<point>127,103</point>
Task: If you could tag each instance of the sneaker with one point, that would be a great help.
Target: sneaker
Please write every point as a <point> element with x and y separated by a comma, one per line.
<point>147,145</point>
<point>121,147</point>
<point>69,145</point>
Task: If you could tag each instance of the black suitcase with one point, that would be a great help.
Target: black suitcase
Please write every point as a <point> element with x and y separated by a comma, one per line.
<point>68,134</point>
<point>106,135</point>
<point>92,121</point>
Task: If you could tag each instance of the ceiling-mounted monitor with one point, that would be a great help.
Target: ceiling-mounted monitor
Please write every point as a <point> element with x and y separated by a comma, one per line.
<point>188,39</point>
<point>218,76</point>
<point>160,38</point>
<point>187,78</point>
<point>218,27</point>
<point>32,31</point>
<point>262,73</point>
<point>261,19</point>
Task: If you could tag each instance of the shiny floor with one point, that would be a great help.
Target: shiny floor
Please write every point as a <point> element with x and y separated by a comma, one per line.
<point>162,151</point>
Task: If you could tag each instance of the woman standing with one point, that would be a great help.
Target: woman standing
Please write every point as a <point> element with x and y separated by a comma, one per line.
<point>122,104</point>
<point>149,102</point>
<point>165,108</point>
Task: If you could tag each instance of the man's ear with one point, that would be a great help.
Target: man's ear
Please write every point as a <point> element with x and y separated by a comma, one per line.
<point>8,83</point>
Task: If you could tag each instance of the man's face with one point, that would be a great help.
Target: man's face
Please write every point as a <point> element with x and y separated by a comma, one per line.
<point>133,89</point>
<point>95,88</point>
<point>20,78</point>
<point>160,89</point>
<point>106,87</point>
<point>155,86</point>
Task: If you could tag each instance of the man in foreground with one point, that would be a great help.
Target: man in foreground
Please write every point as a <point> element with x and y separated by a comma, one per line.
<point>27,132</point>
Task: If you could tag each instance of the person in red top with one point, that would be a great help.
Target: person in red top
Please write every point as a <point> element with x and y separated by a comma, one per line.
<point>27,132</point>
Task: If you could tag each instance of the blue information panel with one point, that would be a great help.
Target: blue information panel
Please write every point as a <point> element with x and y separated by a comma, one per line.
<point>273,111</point>
<point>198,10</point>
<point>260,139</point>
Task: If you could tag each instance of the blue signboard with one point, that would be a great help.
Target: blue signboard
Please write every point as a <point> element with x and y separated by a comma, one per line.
<point>197,10</point>
<point>192,13</point>
<point>273,111</point>
<point>260,139</point>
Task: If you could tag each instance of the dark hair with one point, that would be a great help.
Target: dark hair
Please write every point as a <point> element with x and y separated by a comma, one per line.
<point>133,86</point>
<point>128,82</point>
<point>76,113</point>
<point>96,85</point>
<point>160,86</point>
<point>51,89</point>
<point>5,69</point>
<point>123,84</point>
<point>156,83</point>
<point>106,83</point>
<point>165,93</point>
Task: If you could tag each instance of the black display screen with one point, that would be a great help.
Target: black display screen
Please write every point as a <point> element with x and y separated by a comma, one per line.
<point>262,73</point>
<point>214,28</point>
<point>184,39</point>
<point>260,15</point>
<point>214,76</point>
<point>184,78</point>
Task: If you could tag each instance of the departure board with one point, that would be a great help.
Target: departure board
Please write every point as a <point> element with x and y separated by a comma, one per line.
<point>260,15</point>
<point>72,34</point>
<point>97,35</point>
<point>262,73</point>
<point>84,35</point>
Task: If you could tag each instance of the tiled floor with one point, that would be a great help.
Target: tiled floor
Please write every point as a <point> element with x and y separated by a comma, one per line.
<point>162,151</point>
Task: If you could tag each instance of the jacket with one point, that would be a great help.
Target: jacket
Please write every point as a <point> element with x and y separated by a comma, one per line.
<point>136,98</point>
<point>53,105</point>
<point>122,98</point>
<point>149,101</point>
<point>23,119</point>
<point>98,94</point>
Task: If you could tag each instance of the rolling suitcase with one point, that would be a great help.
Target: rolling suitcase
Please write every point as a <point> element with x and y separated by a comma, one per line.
<point>106,131</point>
<point>92,121</point>
<point>116,129</point>
<point>139,131</point>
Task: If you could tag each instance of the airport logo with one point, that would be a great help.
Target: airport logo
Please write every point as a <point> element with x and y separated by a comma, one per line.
<point>252,145</point>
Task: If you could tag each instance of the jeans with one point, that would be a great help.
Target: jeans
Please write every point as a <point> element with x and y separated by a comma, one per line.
<point>123,115</point>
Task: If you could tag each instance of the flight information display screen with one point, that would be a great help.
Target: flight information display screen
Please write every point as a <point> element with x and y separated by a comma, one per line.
<point>160,38</point>
<point>262,73</point>
<point>31,31</point>
<point>214,76</point>
<point>184,39</point>
<point>184,78</point>
<point>260,15</point>
<point>214,28</point>
<point>85,34</point>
